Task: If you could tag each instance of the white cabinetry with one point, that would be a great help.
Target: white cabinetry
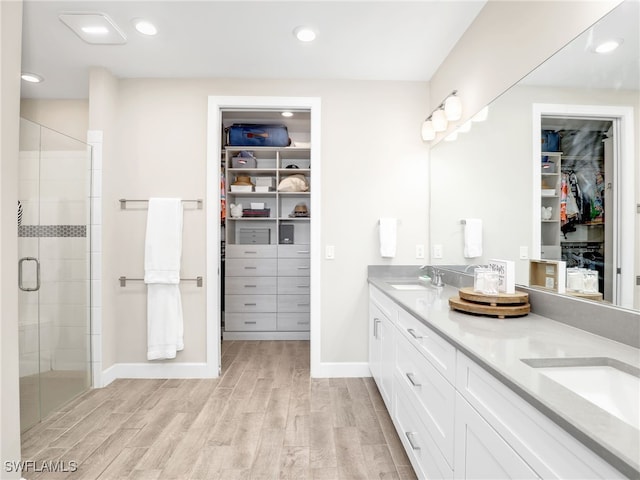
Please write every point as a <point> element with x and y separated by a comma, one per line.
<point>454,418</point>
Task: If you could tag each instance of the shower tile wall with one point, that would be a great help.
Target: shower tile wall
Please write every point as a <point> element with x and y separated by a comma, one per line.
<point>54,192</point>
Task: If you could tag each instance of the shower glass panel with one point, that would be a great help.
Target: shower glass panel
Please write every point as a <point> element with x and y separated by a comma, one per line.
<point>53,270</point>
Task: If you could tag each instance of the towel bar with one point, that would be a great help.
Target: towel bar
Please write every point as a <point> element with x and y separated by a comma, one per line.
<point>123,280</point>
<point>123,202</point>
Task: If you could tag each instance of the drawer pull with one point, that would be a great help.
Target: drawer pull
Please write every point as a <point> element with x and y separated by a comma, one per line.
<point>304,268</point>
<point>249,304</point>
<point>302,286</point>
<point>250,268</point>
<point>376,321</point>
<point>250,286</point>
<point>411,378</point>
<point>251,252</point>
<point>303,304</point>
<point>414,334</point>
<point>303,323</point>
<point>250,323</point>
<point>409,436</point>
<point>303,252</point>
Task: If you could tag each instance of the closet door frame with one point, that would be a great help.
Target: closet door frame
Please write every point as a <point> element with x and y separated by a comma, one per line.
<point>216,104</point>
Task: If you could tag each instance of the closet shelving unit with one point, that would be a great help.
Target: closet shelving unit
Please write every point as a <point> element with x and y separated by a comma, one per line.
<point>550,197</point>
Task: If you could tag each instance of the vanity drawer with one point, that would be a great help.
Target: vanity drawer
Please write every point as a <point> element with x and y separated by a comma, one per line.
<point>384,303</point>
<point>240,267</point>
<point>293,322</point>
<point>294,267</point>
<point>250,251</point>
<point>294,251</point>
<point>436,349</point>
<point>250,322</point>
<point>293,285</point>
<point>432,396</point>
<point>251,285</point>
<point>250,303</point>
<point>294,303</point>
<point>420,447</point>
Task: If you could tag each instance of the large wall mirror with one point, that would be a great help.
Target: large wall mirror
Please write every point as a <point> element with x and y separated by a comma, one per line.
<point>495,171</point>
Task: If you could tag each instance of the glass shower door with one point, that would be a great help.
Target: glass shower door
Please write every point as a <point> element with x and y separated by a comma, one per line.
<point>53,270</point>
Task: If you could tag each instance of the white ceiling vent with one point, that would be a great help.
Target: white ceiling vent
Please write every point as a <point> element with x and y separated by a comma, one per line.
<point>94,28</point>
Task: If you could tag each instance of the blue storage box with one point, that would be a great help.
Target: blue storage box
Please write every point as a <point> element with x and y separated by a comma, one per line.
<point>550,141</point>
<point>257,135</point>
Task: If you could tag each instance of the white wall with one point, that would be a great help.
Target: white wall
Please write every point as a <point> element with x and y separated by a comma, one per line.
<point>487,173</point>
<point>373,164</point>
<point>10,45</point>
<point>70,117</point>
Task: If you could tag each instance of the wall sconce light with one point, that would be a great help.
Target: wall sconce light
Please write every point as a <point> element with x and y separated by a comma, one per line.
<point>449,110</point>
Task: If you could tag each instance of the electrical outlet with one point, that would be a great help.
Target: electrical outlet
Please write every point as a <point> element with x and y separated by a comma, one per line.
<point>330,252</point>
<point>419,251</point>
<point>524,253</point>
<point>437,251</point>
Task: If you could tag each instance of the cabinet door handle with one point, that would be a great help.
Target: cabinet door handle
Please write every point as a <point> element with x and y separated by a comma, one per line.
<point>250,252</point>
<point>376,321</point>
<point>411,378</point>
<point>249,304</point>
<point>414,334</point>
<point>250,268</point>
<point>409,436</point>
<point>250,323</point>
<point>250,286</point>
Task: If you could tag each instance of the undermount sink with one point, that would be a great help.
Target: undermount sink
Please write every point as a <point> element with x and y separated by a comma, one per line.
<point>408,286</point>
<point>610,384</point>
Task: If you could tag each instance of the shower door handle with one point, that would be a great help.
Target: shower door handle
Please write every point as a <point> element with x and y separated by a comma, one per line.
<point>20,284</point>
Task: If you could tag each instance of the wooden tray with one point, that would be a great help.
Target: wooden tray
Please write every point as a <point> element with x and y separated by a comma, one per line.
<point>518,298</point>
<point>500,311</point>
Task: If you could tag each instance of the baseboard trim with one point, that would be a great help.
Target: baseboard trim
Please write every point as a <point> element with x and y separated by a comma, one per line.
<point>156,370</point>
<point>341,370</point>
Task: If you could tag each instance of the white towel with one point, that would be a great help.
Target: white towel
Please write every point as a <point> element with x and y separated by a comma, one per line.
<point>388,230</point>
<point>163,252</point>
<point>473,238</point>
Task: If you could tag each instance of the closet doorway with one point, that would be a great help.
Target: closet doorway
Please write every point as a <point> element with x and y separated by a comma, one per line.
<point>595,177</point>
<point>221,230</point>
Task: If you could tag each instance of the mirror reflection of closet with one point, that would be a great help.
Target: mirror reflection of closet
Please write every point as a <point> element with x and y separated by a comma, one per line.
<point>584,174</point>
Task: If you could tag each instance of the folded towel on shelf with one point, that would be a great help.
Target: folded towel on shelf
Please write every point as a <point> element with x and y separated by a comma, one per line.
<point>388,231</point>
<point>473,238</point>
<point>163,253</point>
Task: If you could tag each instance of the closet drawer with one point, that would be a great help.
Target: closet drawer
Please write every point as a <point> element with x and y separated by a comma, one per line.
<point>288,322</point>
<point>249,303</point>
<point>294,303</point>
<point>294,267</point>
<point>436,349</point>
<point>239,267</point>
<point>251,251</point>
<point>293,285</point>
<point>251,285</point>
<point>249,322</point>
<point>294,251</point>
<point>432,395</point>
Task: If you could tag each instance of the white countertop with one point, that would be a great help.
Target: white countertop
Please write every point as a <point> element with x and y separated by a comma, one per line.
<point>499,345</point>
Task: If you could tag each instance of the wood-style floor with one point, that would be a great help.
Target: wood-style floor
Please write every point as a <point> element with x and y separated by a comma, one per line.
<point>264,418</point>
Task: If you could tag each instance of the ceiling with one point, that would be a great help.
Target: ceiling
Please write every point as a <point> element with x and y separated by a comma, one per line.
<point>357,39</point>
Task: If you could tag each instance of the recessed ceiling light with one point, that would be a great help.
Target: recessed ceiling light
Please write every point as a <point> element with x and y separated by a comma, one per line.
<point>144,26</point>
<point>93,28</point>
<point>608,46</point>
<point>304,34</point>
<point>287,114</point>
<point>31,77</point>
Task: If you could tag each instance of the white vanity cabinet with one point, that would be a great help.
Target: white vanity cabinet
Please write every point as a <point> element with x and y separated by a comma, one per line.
<point>455,419</point>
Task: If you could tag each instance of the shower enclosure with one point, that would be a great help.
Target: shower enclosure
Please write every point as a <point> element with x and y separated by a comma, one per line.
<point>53,270</point>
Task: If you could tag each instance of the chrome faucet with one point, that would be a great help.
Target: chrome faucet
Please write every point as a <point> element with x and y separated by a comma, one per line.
<point>436,275</point>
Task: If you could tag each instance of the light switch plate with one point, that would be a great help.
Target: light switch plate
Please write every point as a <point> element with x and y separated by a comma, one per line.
<point>330,252</point>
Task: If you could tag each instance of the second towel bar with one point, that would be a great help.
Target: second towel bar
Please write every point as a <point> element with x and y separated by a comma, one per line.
<point>123,280</point>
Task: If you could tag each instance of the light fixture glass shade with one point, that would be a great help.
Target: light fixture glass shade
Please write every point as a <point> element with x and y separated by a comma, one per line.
<point>453,108</point>
<point>428,132</point>
<point>482,115</point>
<point>465,127</point>
<point>439,120</point>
